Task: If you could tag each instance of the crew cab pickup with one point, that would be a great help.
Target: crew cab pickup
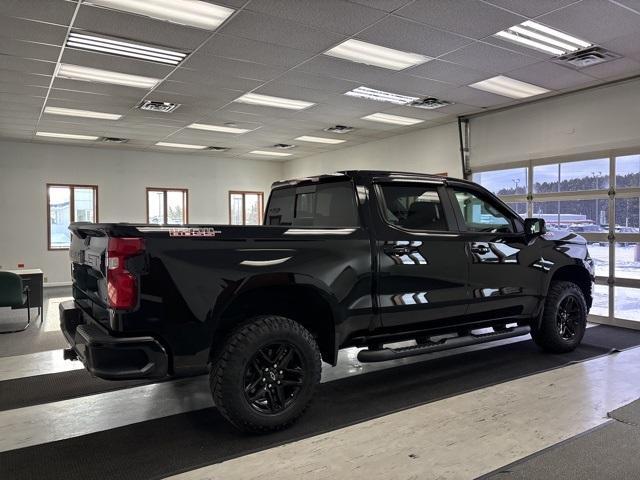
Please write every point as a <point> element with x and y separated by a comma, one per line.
<point>352,259</point>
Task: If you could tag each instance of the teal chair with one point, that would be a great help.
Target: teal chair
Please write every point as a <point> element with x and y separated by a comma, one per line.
<point>14,294</point>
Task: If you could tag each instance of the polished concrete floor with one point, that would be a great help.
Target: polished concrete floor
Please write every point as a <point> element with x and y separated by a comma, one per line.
<point>460,437</point>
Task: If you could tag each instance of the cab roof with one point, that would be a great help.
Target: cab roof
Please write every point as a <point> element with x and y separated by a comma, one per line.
<point>365,175</point>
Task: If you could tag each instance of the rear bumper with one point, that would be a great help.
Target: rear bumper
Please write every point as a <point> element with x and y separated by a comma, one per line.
<point>107,356</point>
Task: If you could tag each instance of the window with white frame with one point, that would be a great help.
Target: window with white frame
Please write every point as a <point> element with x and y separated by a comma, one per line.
<point>245,208</point>
<point>67,204</point>
<point>596,196</point>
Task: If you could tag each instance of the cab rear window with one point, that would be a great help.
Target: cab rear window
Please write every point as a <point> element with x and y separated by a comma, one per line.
<point>323,205</point>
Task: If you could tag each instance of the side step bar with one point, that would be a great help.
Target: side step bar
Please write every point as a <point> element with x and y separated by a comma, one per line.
<point>384,354</point>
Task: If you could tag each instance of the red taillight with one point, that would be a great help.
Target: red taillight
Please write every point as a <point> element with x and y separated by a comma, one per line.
<point>122,285</point>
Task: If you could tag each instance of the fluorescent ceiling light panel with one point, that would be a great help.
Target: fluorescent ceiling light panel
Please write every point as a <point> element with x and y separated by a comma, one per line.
<point>87,74</point>
<point>543,38</point>
<point>193,13</point>
<point>72,112</point>
<point>380,96</point>
<point>509,87</point>
<point>270,154</point>
<point>70,136</point>
<point>392,119</point>
<point>181,145</point>
<point>122,48</point>
<point>332,141</point>
<point>277,102</point>
<point>370,54</point>
<point>218,128</point>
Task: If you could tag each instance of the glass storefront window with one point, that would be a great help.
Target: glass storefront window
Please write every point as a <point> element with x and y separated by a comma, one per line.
<point>600,304</point>
<point>512,181</point>
<point>627,303</point>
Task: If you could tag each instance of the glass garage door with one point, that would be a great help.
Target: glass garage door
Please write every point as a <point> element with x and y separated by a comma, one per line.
<point>597,197</point>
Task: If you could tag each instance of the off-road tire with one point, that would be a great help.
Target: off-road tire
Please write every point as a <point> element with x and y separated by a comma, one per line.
<point>547,334</point>
<point>227,374</point>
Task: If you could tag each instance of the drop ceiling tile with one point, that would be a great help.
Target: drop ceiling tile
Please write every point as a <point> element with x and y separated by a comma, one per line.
<point>88,101</point>
<point>107,107</point>
<point>633,5</point>
<point>343,69</point>
<point>19,89</point>
<point>530,8</point>
<point>352,106</point>
<point>27,65</point>
<point>11,101</point>
<point>252,51</point>
<point>39,51</point>
<point>279,31</point>
<point>280,89</point>
<point>115,63</point>
<point>459,109</point>
<point>621,67</point>
<point>12,76</point>
<point>386,5</point>
<point>317,82</point>
<point>627,45</point>
<point>137,27</point>
<point>234,68</point>
<point>97,90</point>
<point>471,18</point>
<point>447,72</point>
<point>332,15</point>
<point>475,97</point>
<point>184,81</point>
<point>551,76</point>
<point>258,111</point>
<point>52,11</point>
<point>585,20</point>
<point>407,35</point>
<point>408,84</point>
<point>413,112</point>
<point>481,56</point>
<point>20,29</point>
<point>191,90</point>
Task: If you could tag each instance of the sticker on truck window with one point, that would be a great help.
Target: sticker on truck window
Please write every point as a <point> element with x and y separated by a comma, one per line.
<point>193,232</point>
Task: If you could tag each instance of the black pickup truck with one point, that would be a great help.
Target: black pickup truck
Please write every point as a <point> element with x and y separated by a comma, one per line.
<point>356,258</point>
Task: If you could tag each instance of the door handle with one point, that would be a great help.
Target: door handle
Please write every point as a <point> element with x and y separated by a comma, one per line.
<point>398,250</point>
<point>480,249</point>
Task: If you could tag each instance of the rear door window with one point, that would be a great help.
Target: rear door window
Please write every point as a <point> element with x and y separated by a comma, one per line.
<point>414,207</point>
<point>323,205</point>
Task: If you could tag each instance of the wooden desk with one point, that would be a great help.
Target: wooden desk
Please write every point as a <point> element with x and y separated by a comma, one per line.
<point>33,278</point>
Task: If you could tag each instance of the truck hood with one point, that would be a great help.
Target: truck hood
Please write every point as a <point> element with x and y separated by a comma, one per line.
<point>565,237</point>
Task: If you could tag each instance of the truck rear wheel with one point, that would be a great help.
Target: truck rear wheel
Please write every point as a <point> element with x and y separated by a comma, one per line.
<point>564,319</point>
<point>266,374</point>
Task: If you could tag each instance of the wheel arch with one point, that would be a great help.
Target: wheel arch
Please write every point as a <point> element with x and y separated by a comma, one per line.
<point>576,274</point>
<point>298,297</point>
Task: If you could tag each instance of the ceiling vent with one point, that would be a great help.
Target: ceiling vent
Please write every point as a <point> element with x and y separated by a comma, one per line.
<point>219,149</point>
<point>115,140</point>
<point>283,146</point>
<point>429,103</point>
<point>587,58</point>
<point>164,107</point>
<point>339,129</point>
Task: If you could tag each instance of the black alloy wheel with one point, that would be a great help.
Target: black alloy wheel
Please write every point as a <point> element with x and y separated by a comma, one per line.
<point>274,377</point>
<point>568,317</point>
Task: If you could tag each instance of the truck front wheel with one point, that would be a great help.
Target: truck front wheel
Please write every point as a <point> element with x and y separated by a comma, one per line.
<point>564,319</point>
<point>266,374</point>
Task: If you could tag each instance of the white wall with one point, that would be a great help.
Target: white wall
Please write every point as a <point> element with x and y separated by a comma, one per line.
<point>121,176</point>
<point>431,150</point>
<point>596,119</point>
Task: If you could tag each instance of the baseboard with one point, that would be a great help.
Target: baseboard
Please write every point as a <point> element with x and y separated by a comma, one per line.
<point>57,284</point>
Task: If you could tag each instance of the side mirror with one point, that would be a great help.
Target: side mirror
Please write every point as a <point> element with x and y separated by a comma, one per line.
<point>535,226</point>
